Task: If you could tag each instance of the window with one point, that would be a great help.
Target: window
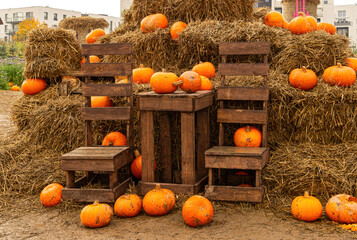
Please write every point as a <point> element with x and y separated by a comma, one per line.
<point>64,16</point>
<point>17,16</point>
<point>343,31</point>
<point>5,38</point>
<point>45,16</point>
<point>279,10</point>
<point>54,26</point>
<point>55,16</point>
<point>342,14</point>
<point>111,26</point>
<point>5,17</point>
<point>6,28</point>
<point>318,20</point>
<point>325,2</point>
<point>29,15</point>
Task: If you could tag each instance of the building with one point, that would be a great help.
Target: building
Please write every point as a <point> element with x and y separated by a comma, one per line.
<point>11,17</point>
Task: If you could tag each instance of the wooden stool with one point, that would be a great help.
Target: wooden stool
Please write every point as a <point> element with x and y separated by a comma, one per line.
<point>243,158</point>
<point>193,109</point>
<point>104,161</point>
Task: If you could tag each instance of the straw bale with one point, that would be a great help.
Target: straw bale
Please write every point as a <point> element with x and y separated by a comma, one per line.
<point>289,7</point>
<point>260,13</point>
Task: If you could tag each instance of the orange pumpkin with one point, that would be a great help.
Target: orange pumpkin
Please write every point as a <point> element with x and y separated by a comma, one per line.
<point>92,59</point>
<point>274,18</point>
<point>152,22</point>
<point>128,205</point>
<point>100,101</point>
<point>11,84</point>
<point>247,137</point>
<point>306,208</point>
<point>352,63</point>
<point>303,78</point>
<point>114,139</point>
<point>286,25</point>
<point>163,82</point>
<point>191,81</point>
<point>206,83</point>
<point>136,166</point>
<point>327,27</point>
<point>197,211</point>
<point>94,35</point>
<point>205,69</point>
<point>33,86</point>
<point>339,75</point>
<point>303,24</point>
<point>96,215</point>
<point>159,201</point>
<point>245,185</point>
<point>342,208</point>
<point>142,74</point>
<point>176,29</point>
<point>241,173</point>
<point>51,195</point>
<point>15,88</point>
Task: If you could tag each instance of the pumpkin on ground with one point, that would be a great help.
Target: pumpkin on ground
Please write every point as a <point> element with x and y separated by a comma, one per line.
<point>303,78</point>
<point>352,63</point>
<point>248,137</point>
<point>114,139</point>
<point>142,74</point>
<point>51,195</point>
<point>274,18</point>
<point>92,59</point>
<point>205,69</point>
<point>137,165</point>
<point>190,81</point>
<point>128,205</point>
<point>15,88</point>
<point>152,22</point>
<point>197,211</point>
<point>206,84</point>
<point>163,82</point>
<point>159,201</point>
<point>342,208</point>
<point>96,215</point>
<point>176,29</point>
<point>33,86</point>
<point>306,208</point>
<point>339,75</point>
<point>327,27</point>
<point>94,35</point>
<point>100,101</point>
<point>11,84</point>
<point>303,24</point>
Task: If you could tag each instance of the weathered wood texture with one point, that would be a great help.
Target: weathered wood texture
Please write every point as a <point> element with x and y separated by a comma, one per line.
<point>107,49</point>
<point>230,193</point>
<point>106,113</point>
<point>243,93</point>
<point>242,116</point>
<point>105,69</point>
<point>115,90</point>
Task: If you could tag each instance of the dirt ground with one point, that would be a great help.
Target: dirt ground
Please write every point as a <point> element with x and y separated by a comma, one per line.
<point>29,220</point>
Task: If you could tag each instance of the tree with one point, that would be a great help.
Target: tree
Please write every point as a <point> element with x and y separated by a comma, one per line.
<point>26,26</point>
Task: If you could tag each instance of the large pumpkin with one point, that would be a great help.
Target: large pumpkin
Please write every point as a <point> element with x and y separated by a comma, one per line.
<point>114,139</point>
<point>197,211</point>
<point>327,27</point>
<point>303,78</point>
<point>96,215</point>
<point>94,35</point>
<point>205,69</point>
<point>191,81</point>
<point>206,84</point>
<point>128,205</point>
<point>248,137</point>
<point>352,63</point>
<point>274,18</point>
<point>158,201</point>
<point>142,74</point>
<point>51,195</point>
<point>176,29</point>
<point>302,24</point>
<point>33,86</point>
<point>342,208</point>
<point>100,101</point>
<point>339,75</point>
<point>152,22</point>
<point>306,208</point>
<point>163,82</point>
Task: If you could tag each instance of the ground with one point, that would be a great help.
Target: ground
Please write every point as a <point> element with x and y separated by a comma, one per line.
<point>30,220</point>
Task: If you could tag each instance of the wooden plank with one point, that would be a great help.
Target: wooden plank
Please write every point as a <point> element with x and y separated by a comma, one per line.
<point>70,179</point>
<point>210,176</point>
<point>165,148</point>
<point>105,69</point>
<point>113,179</point>
<point>94,153</point>
<point>243,93</point>
<point>243,69</point>
<point>120,189</point>
<point>203,102</point>
<point>124,158</point>
<point>203,141</point>
<point>230,193</point>
<point>107,49</point>
<point>242,116</point>
<point>88,165</point>
<point>244,48</point>
<point>188,165</point>
<point>258,178</point>
<point>234,162</point>
<point>236,151</point>
<point>88,195</point>
<point>115,90</point>
<point>106,113</point>
<point>147,146</point>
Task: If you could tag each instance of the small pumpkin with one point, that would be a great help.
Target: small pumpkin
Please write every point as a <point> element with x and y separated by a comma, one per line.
<point>51,195</point>
<point>327,27</point>
<point>190,82</point>
<point>303,24</point>
<point>100,101</point>
<point>137,165</point>
<point>33,86</point>
<point>205,69</point>
<point>152,22</point>
<point>92,59</point>
<point>11,84</point>
<point>339,75</point>
<point>158,201</point>
<point>96,215</point>
<point>163,82</point>
<point>342,208</point>
<point>274,18</point>
<point>306,208</point>
<point>206,84</point>
<point>114,139</point>
<point>15,88</point>
<point>94,35</point>
<point>352,63</point>
<point>197,211</point>
<point>248,137</point>
<point>176,29</point>
<point>142,74</point>
<point>303,78</point>
<point>128,205</point>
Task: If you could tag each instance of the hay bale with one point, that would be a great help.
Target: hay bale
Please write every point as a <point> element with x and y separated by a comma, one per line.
<point>289,7</point>
<point>260,13</point>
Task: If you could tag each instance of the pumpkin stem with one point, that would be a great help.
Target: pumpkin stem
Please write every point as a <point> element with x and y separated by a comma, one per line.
<point>352,199</point>
<point>306,194</point>
<point>158,186</point>
<point>339,65</point>
<point>301,14</point>
<point>178,83</point>
<point>247,129</point>
<point>303,68</point>
<point>141,65</point>
<point>136,153</point>
<point>96,203</point>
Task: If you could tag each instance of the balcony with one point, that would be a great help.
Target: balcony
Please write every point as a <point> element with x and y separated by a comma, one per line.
<point>10,32</point>
<point>342,22</point>
<point>15,20</point>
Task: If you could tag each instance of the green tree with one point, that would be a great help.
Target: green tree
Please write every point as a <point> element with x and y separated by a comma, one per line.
<point>26,26</point>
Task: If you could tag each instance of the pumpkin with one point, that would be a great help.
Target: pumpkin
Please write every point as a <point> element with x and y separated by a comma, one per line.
<point>92,59</point>
<point>51,195</point>
<point>241,173</point>
<point>197,211</point>
<point>327,27</point>
<point>15,88</point>
<point>286,25</point>
<point>339,75</point>
<point>137,165</point>
<point>190,82</point>
<point>100,101</point>
<point>128,205</point>
<point>114,139</point>
<point>205,69</point>
<point>247,137</point>
<point>142,74</point>
<point>245,185</point>
<point>352,63</point>
<point>94,35</point>
<point>274,18</point>
<point>96,215</point>
<point>303,78</point>
<point>163,82</point>
<point>306,208</point>
<point>205,83</point>
<point>342,208</point>
<point>121,79</point>
<point>33,86</point>
<point>152,22</point>
<point>176,29</point>
<point>303,24</point>
<point>11,84</point>
<point>158,201</point>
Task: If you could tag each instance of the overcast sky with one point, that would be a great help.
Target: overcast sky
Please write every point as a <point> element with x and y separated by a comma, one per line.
<point>109,7</point>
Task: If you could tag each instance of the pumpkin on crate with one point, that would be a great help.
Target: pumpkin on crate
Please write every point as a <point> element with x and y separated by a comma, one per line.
<point>339,75</point>
<point>114,139</point>
<point>159,201</point>
<point>274,18</point>
<point>303,24</point>
<point>94,35</point>
<point>152,22</point>
<point>142,74</point>
<point>128,205</point>
<point>163,82</point>
<point>33,86</point>
<point>303,78</point>
<point>92,59</point>
<point>197,211</point>
<point>248,136</point>
<point>206,84</point>
<point>342,208</point>
<point>327,27</point>
<point>306,208</point>
<point>51,195</point>
<point>96,215</point>
<point>205,69</point>
<point>15,88</point>
<point>176,29</point>
<point>137,164</point>
<point>352,63</point>
<point>100,101</point>
<point>189,81</point>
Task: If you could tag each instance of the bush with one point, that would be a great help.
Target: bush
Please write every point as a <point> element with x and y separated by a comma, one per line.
<point>11,70</point>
